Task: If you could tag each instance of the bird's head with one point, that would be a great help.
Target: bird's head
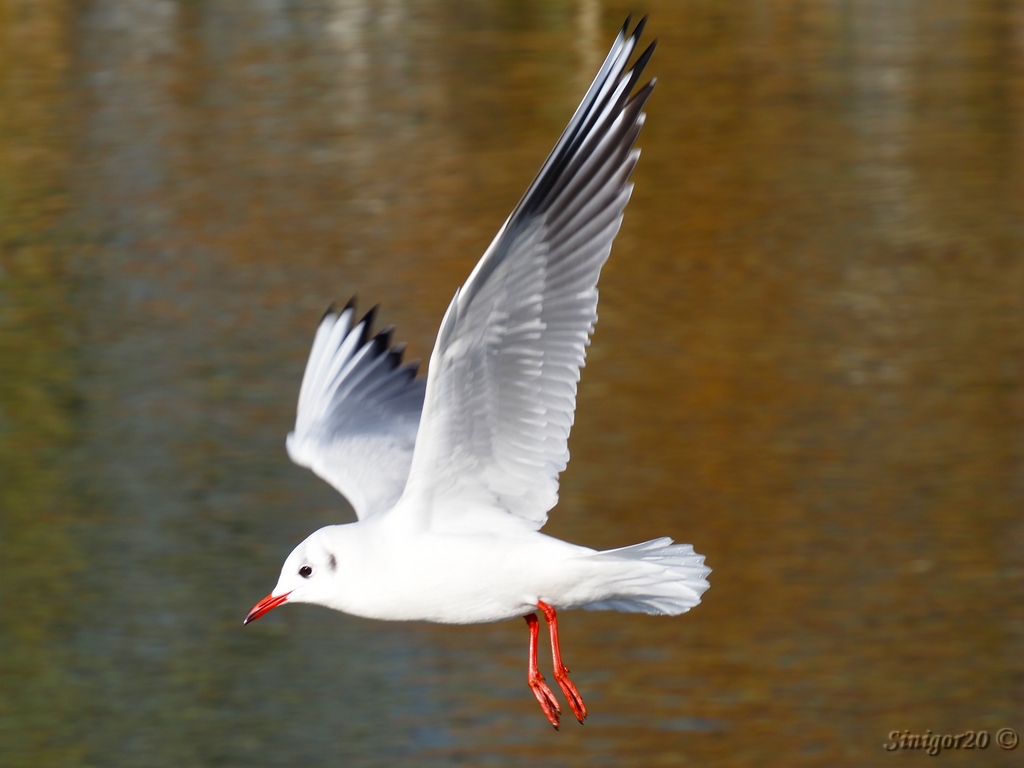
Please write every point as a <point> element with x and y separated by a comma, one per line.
<point>306,576</point>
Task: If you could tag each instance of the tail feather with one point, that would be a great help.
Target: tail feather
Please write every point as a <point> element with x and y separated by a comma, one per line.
<point>656,576</point>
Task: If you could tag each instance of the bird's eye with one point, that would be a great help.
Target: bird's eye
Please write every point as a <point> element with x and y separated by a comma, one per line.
<point>305,571</point>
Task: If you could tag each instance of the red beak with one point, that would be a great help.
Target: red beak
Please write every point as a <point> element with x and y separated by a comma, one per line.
<point>267,603</point>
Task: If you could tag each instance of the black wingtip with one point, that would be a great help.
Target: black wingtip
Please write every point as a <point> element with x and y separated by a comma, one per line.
<point>395,355</point>
<point>382,340</point>
<point>332,309</point>
<point>367,324</point>
<point>639,29</point>
<point>637,70</point>
<point>644,57</point>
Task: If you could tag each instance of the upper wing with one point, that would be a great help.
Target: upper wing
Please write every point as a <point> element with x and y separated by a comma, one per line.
<point>501,390</point>
<point>359,410</point>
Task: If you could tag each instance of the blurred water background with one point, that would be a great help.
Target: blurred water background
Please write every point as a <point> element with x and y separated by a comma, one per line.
<point>809,364</point>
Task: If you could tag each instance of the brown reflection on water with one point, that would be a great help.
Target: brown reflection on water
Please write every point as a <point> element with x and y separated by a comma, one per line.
<point>38,556</point>
<point>809,363</point>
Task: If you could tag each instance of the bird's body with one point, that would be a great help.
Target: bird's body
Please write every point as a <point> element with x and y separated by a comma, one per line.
<point>474,577</point>
<point>452,477</point>
<point>460,578</point>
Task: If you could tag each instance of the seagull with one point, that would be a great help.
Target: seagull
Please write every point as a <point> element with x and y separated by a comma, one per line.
<point>452,476</point>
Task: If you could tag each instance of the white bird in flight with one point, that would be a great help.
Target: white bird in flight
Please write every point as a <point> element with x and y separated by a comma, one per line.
<point>452,477</point>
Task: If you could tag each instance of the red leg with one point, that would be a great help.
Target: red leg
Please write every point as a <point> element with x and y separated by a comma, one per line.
<point>540,689</point>
<point>561,673</point>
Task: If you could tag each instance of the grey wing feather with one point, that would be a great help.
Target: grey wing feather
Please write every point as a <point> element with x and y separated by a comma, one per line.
<point>501,391</point>
<point>358,413</point>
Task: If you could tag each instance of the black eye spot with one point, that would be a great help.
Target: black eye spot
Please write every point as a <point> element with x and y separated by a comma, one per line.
<point>305,571</point>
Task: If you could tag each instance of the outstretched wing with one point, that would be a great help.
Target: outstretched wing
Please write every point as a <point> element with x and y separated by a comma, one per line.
<point>501,390</point>
<point>359,411</point>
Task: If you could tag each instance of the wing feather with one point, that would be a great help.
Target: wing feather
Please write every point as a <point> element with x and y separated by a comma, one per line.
<point>359,411</point>
<point>501,391</point>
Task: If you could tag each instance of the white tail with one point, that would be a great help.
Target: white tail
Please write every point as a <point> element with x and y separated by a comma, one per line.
<point>657,577</point>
